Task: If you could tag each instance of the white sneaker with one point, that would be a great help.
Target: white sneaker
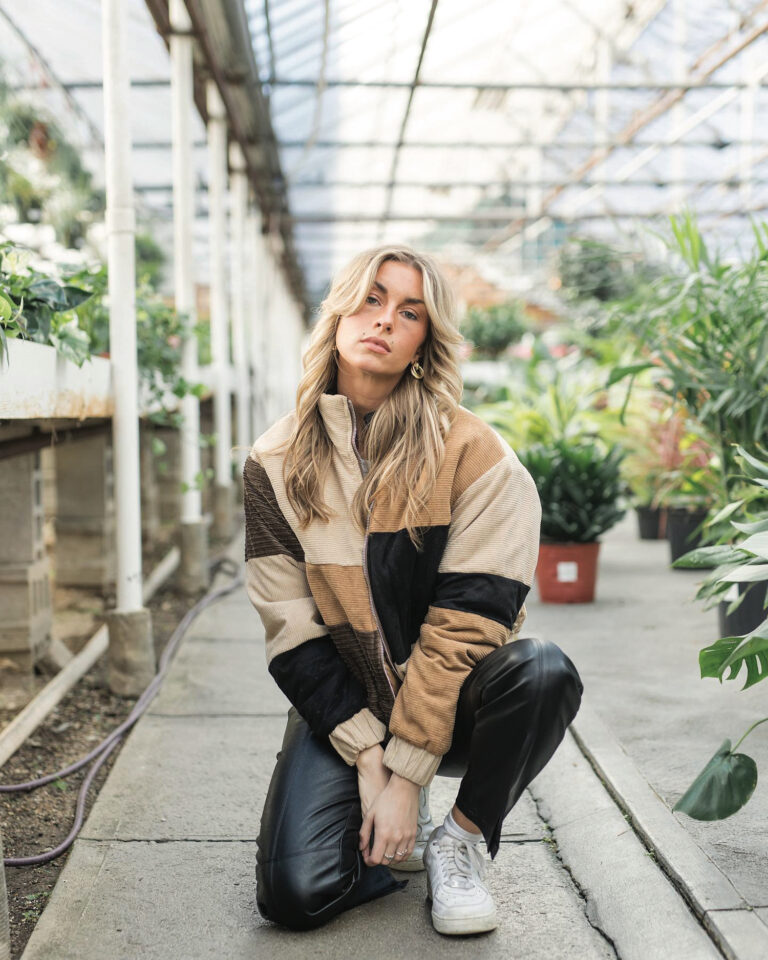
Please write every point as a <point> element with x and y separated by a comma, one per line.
<point>425,827</point>
<point>461,902</point>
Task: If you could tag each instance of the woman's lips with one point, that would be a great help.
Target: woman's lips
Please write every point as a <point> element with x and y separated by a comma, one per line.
<point>377,347</point>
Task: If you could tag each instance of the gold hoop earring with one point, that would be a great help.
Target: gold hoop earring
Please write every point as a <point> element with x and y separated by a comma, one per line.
<point>417,370</point>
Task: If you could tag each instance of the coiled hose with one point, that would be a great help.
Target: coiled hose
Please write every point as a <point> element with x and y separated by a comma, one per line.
<point>103,750</point>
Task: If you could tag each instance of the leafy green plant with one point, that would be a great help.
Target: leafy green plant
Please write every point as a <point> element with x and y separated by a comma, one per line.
<point>579,486</point>
<point>37,307</point>
<point>591,269</point>
<point>543,410</point>
<point>729,778</point>
<point>493,329</point>
<point>701,330</point>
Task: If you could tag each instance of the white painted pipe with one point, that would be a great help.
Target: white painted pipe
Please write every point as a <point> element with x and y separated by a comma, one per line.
<point>217,220</point>
<point>121,229</point>
<point>237,260</point>
<point>254,317</point>
<point>183,268</point>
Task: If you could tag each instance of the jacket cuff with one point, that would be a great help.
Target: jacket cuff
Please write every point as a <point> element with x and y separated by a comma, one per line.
<point>411,762</point>
<point>352,736</point>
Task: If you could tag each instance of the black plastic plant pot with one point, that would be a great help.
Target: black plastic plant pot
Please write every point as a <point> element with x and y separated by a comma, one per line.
<point>650,522</point>
<point>749,614</point>
<point>681,526</point>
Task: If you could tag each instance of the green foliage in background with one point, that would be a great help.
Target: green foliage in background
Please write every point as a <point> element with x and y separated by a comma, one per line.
<point>41,172</point>
<point>702,332</point>
<point>493,329</point>
<point>34,306</point>
<point>579,484</point>
<point>591,269</point>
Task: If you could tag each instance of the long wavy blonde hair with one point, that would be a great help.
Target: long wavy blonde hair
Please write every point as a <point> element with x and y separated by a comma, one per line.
<point>405,440</point>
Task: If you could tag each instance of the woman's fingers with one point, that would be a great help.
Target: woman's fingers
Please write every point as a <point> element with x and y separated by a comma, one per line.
<point>365,832</point>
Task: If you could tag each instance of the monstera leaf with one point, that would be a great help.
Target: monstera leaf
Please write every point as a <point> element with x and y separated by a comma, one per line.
<point>750,651</point>
<point>722,787</point>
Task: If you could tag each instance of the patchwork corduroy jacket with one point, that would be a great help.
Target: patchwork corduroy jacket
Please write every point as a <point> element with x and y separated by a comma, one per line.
<point>368,638</point>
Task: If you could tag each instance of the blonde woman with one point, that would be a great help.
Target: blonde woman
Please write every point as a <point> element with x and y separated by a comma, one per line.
<point>391,539</point>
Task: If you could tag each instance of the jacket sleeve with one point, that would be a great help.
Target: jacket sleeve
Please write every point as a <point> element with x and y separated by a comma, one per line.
<point>484,576</point>
<point>301,655</point>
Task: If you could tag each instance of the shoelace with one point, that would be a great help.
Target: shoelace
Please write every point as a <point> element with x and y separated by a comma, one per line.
<point>459,860</point>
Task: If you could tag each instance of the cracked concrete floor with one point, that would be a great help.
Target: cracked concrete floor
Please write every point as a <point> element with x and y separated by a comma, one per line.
<point>164,868</point>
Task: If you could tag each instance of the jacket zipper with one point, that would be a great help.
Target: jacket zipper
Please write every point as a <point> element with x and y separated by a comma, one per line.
<point>385,652</point>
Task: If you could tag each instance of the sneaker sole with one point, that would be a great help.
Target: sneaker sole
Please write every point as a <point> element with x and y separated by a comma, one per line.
<point>462,925</point>
<point>465,924</point>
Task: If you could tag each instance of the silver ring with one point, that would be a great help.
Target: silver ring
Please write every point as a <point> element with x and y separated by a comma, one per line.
<point>389,856</point>
<point>401,853</point>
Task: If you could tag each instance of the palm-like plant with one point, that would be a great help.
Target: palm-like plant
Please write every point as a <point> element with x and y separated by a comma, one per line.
<point>702,331</point>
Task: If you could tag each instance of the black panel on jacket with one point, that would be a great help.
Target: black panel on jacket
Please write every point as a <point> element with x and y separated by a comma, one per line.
<point>403,583</point>
<point>318,683</point>
<point>491,596</point>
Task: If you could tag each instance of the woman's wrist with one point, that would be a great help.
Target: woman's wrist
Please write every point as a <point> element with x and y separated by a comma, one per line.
<point>401,783</point>
<point>371,756</point>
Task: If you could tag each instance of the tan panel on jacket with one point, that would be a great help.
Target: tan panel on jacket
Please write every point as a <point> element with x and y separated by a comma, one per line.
<point>341,594</point>
<point>448,636</point>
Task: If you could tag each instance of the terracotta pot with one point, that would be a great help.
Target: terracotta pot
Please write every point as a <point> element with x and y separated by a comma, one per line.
<point>566,572</point>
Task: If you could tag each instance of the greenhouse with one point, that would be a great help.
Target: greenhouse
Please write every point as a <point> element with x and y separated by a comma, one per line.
<point>384,442</point>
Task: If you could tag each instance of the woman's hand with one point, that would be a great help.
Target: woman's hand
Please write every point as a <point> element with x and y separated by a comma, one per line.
<point>372,775</point>
<point>392,823</point>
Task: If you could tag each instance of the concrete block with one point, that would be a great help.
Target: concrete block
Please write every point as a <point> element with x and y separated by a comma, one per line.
<point>193,574</point>
<point>21,528</point>
<point>85,477</point>
<point>85,522</point>
<point>168,475</point>
<point>131,653</point>
<point>224,511</point>
<point>150,493</point>
<point>25,601</point>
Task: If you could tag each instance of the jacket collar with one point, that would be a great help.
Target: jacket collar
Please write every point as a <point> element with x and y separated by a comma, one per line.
<point>338,417</point>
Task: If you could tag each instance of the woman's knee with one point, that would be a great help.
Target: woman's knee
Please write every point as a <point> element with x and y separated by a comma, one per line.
<point>541,666</point>
<point>302,891</point>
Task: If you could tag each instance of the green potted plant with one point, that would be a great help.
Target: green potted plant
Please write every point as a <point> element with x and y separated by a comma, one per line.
<point>579,485</point>
<point>492,329</point>
<point>700,331</point>
<point>728,780</point>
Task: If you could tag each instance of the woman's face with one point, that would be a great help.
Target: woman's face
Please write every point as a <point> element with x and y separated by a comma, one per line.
<point>394,313</point>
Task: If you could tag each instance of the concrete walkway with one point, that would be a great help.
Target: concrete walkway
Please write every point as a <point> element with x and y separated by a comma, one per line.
<point>164,868</point>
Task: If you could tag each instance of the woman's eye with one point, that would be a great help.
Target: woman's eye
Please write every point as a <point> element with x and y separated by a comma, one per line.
<point>410,315</point>
<point>370,298</point>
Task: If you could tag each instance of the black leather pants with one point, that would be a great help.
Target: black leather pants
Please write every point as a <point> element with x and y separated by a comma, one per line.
<point>512,713</point>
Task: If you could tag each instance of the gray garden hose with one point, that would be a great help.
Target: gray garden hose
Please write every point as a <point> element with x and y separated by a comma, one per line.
<point>103,750</point>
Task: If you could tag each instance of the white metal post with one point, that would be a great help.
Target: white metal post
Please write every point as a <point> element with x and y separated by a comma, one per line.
<point>131,656</point>
<point>217,219</point>
<point>255,318</point>
<point>194,564</point>
<point>237,259</point>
